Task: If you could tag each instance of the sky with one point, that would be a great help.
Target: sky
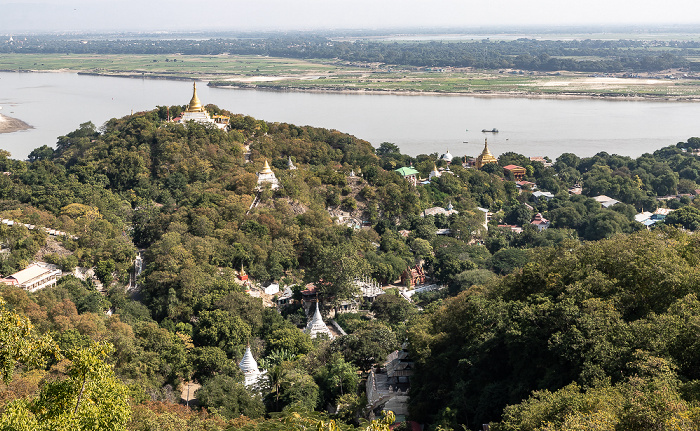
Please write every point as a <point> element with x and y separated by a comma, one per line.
<point>249,15</point>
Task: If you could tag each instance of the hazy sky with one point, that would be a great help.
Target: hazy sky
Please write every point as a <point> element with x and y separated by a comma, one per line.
<point>156,15</point>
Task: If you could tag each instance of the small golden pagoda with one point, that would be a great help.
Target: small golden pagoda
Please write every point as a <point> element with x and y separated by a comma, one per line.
<point>267,176</point>
<point>485,157</point>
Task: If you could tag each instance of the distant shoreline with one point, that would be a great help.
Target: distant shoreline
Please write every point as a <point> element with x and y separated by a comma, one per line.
<point>563,95</point>
<point>9,124</point>
<point>560,95</point>
<point>481,94</point>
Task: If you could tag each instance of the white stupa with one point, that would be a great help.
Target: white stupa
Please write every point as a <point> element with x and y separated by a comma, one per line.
<point>434,173</point>
<point>266,176</point>
<point>447,157</point>
<point>290,164</point>
<point>316,325</point>
<point>249,366</point>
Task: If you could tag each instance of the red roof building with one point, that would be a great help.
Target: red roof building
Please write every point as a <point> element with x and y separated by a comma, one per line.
<point>517,171</point>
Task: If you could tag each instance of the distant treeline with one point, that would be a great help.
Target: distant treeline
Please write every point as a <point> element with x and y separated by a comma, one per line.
<point>528,54</point>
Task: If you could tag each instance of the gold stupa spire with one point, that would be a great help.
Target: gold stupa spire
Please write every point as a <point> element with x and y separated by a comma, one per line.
<point>266,169</point>
<point>195,105</point>
<point>485,157</point>
<point>486,148</point>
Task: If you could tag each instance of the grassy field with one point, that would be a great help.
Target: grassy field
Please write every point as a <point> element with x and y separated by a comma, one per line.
<point>280,73</point>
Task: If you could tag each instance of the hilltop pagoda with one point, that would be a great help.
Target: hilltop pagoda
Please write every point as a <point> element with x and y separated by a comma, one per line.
<point>485,157</point>
<point>317,326</point>
<point>196,112</point>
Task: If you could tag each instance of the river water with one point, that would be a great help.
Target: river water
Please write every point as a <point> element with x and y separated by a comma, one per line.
<point>56,103</point>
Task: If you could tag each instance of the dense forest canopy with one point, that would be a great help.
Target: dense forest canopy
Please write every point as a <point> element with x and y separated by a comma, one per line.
<point>526,54</point>
<point>594,318</point>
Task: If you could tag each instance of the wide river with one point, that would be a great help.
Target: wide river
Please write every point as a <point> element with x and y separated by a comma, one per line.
<point>56,103</point>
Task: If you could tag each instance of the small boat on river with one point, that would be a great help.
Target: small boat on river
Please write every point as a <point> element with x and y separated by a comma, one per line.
<point>494,130</point>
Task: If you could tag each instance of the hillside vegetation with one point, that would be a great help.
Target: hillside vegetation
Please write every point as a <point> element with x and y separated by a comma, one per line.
<point>592,319</point>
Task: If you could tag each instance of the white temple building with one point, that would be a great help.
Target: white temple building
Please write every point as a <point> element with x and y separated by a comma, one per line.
<point>249,366</point>
<point>290,164</point>
<point>266,176</point>
<point>196,112</point>
<point>316,325</point>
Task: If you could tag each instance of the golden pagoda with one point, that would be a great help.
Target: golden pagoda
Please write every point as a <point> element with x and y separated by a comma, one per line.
<point>267,176</point>
<point>195,105</point>
<point>485,157</point>
<point>266,168</point>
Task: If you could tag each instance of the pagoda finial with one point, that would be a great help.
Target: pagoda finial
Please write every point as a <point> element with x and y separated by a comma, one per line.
<point>195,105</point>
<point>266,168</point>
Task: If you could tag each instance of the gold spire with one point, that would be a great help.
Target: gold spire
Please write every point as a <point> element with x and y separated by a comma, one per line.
<point>434,167</point>
<point>266,169</point>
<point>195,105</point>
<point>486,148</point>
<point>485,157</point>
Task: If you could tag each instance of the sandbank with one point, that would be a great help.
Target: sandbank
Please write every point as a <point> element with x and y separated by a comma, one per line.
<point>9,124</point>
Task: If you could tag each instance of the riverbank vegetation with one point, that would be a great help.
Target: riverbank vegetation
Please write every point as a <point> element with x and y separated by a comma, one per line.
<point>600,68</point>
<point>594,318</point>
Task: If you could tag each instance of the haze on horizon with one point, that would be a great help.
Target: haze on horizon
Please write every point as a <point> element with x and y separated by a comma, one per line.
<point>46,16</point>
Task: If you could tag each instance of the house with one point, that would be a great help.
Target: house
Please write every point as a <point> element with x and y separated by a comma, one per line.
<point>525,185</point>
<point>543,195</point>
<point>606,201</point>
<point>287,297</point>
<point>409,174</point>
<point>34,277</point>
<point>541,222</point>
<point>541,160</point>
<point>517,171</point>
<point>575,190</point>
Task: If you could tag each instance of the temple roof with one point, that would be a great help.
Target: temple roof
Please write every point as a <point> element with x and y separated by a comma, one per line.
<point>406,171</point>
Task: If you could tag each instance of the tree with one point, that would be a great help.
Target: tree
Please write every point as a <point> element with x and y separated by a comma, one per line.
<point>90,398</point>
<point>392,309</point>
<point>290,339</point>
<point>335,268</point>
<point>20,344</point>
<point>224,395</point>
<point>337,378</point>
<point>367,346</point>
<point>221,329</point>
<point>687,217</point>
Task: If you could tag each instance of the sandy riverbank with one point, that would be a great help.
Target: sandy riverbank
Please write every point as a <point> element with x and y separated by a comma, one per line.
<point>484,94</point>
<point>9,124</point>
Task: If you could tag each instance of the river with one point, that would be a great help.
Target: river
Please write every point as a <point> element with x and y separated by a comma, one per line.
<point>56,103</point>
